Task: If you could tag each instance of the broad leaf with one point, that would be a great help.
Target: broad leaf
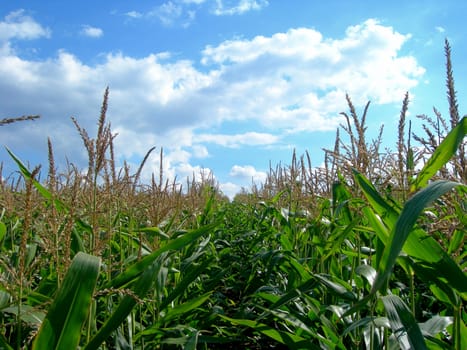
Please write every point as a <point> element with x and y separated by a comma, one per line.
<point>404,226</point>
<point>403,324</point>
<point>290,339</point>
<point>176,244</point>
<point>142,286</point>
<point>61,328</point>
<point>446,149</point>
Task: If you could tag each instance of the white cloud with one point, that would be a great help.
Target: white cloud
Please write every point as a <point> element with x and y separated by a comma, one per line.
<point>246,139</point>
<point>92,32</point>
<point>238,7</point>
<point>134,14</point>
<point>274,85</point>
<point>248,172</point>
<point>17,25</point>
<point>230,189</point>
<point>440,29</point>
<point>200,151</point>
<point>174,13</point>
<point>197,2</point>
<point>293,43</point>
<point>168,12</point>
<point>304,74</point>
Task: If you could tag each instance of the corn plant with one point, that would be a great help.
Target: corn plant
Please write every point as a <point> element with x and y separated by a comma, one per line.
<point>364,253</point>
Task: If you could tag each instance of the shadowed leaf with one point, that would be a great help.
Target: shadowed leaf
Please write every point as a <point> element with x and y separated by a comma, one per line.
<point>403,324</point>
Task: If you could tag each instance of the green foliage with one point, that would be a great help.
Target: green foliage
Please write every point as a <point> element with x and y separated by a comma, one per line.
<point>403,324</point>
<point>443,153</point>
<point>61,328</point>
<point>334,258</point>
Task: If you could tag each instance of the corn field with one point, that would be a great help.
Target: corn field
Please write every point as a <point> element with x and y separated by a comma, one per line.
<point>366,252</point>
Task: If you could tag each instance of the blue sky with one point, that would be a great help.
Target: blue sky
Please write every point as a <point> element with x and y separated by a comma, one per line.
<point>223,86</point>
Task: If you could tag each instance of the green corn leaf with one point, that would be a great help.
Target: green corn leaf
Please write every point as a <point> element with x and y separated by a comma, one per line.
<point>403,324</point>
<point>154,231</point>
<point>404,226</point>
<point>290,339</point>
<point>414,242</point>
<point>41,189</point>
<point>4,298</point>
<point>437,281</point>
<point>61,328</point>
<point>185,282</point>
<point>4,344</point>
<point>337,237</point>
<point>2,232</point>
<point>381,230</point>
<point>336,287</point>
<point>286,244</point>
<point>381,322</point>
<point>368,272</point>
<point>378,225</point>
<point>386,211</point>
<point>456,241</point>
<point>298,267</point>
<point>462,335</point>
<point>295,293</point>
<point>435,325</point>
<point>45,193</point>
<point>298,324</point>
<point>181,309</point>
<point>340,202</point>
<point>176,244</point>
<point>123,309</point>
<point>192,343</point>
<point>443,153</point>
<point>29,314</point>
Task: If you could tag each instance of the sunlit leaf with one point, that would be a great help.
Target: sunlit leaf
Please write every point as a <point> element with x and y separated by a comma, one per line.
<point>404,226</point>
<point>61,328</point>
<point>176,244</point>
<point>128,302</point>
<point>443,153</point>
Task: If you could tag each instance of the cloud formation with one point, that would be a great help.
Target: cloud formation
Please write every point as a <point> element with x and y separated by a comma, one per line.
<point>170,13</point>
<point>92,32</point>
<point>224,7</point>
<point>18,25</point>
<point>234,141</point>
<point>248,172</point>
<point>287,83</point>
<point>182,13</point>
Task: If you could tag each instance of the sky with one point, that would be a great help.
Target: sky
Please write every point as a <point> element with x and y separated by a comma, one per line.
<point>227,87</point>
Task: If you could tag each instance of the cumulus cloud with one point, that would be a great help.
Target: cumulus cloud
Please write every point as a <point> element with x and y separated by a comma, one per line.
<point>200,151</point>
<point>307,75</point>
<point>242,174</point>
<point>230,189</point>
<point>248,172</point>
<point>276,85</point>
<point>18,25</point>
<point>92,32</point>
